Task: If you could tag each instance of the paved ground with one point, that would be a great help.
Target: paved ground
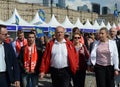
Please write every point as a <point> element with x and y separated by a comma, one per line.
<point>90,81</point>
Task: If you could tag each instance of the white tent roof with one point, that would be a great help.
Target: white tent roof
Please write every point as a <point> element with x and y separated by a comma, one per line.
<point>13,19</point>
<point>37,21</point>
<point>102,24</point>
<point>119,24</point>
<point>78,24</point>
<point>88,25</point>
<point>67,24</point>
<point>113,26</point>
<point>53,22</point>
<point>96,25</point>
<point>108,26</point>
<point>2,22</point>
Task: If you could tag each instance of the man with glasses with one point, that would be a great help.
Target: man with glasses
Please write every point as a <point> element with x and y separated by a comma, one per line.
<point>9,68</point>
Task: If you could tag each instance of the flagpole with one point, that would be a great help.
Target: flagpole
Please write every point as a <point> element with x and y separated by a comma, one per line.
<point>16,29</point>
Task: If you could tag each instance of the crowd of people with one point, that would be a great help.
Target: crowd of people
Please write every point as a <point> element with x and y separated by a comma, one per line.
<point>64,56</point>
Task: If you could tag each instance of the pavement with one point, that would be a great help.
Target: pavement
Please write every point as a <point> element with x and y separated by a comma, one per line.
<point>89,82</point>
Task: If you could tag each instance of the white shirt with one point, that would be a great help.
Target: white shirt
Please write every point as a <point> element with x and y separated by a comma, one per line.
<point>2,59</point>
<point>59,55</point>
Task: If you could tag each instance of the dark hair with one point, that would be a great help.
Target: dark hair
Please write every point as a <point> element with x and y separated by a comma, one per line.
<point>2,26</point>
<point>76,34</point>
<point>31,33</point>
<point>33,30</point>
<point>19,32</point>
<point>75,28</point>
<point>118,32</point>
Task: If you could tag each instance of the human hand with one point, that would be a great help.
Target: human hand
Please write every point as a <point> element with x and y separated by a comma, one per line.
<point>116,72</point>
<point>41,75</point>
<point>90,69</point>
<point>16,84</point>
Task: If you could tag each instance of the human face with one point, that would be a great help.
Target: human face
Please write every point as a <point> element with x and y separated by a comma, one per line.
<point>103,36</point>
<point>59,33</point>
<point>31,39</point>
<point>21,36</point>
<point>3,34</point>
<point>113,32</point>
<point>76,38</point>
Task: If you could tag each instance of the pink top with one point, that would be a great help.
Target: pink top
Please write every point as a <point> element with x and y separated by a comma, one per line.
<point>103,54</point>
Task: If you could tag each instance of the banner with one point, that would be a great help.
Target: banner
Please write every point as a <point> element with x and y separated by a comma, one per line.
<point>16,20</point>
<point>51,31</point>
<point>39,31</point>
<point>116,10</point>
<point>41,14</point>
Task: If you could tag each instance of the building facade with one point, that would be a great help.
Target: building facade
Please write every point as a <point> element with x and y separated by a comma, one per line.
<point>27,11</point>
<point>96,8</point>
<point>105,10</point>
<point>61,3</point>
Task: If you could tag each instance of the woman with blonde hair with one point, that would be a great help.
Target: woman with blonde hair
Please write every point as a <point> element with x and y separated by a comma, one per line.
<point>104,58</point>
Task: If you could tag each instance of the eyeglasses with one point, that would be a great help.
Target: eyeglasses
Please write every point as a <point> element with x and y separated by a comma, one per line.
<point>77,37</point>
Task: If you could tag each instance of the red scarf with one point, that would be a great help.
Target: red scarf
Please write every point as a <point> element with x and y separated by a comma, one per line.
<point>18,47</point>
<point>30,62</point>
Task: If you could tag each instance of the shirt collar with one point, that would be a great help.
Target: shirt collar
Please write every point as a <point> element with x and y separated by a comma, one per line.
<point>63,41</point>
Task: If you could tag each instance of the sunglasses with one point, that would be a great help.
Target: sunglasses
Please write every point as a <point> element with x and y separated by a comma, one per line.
<point>77,37</point>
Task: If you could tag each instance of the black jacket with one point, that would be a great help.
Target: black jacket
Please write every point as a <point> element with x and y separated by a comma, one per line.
<point>21,60</point>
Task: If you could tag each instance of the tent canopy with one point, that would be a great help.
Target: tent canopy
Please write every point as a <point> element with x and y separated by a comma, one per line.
<point>53,22</point>
<point>15,19</point>
<point>67,24</point>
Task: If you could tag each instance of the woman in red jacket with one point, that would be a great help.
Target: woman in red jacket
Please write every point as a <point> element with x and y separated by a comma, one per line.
<point>79,77</point>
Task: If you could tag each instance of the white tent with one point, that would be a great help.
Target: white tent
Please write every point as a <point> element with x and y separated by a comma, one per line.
<point>96,26</point>
<point>2,22</point>
<point>108,26</point>
<point>102,24</point>
<point>78,24</point>
<point>67,24</point>
<point>88,25</point>
<point>16,17</point>
<point>118,26</point>
<point>53,22</point>
<point>37,21</point>
<point>113,26</point>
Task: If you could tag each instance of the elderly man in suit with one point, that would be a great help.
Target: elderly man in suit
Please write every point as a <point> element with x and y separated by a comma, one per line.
<point>9,68</point>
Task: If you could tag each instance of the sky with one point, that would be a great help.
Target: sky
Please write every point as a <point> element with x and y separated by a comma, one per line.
<point>74,3</point>
<point>108,3</point>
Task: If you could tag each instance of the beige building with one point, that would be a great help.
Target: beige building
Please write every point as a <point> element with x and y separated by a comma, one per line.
<point>27,11</point>
<point>110,18</point>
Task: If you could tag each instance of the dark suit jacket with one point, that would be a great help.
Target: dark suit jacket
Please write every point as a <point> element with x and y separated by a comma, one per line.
<point>21,60</point>
<point>12,66</point>
<point>118,46</point>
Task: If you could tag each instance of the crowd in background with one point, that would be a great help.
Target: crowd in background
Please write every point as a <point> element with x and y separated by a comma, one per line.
<point>66,56</point>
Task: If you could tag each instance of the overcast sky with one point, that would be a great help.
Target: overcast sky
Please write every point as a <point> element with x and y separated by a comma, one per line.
<point>108,3</point>
<point>74,3</point>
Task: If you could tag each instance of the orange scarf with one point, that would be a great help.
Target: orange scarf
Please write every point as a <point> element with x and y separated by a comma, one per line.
<point>30,62</point>
<point>18,47</point>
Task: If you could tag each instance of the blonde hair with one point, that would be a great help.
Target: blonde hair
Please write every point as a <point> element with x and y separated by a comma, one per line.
<point>106,30</point>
